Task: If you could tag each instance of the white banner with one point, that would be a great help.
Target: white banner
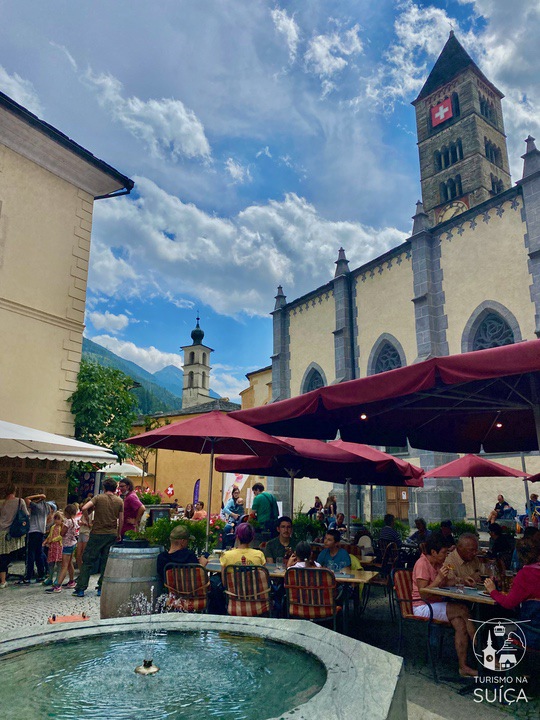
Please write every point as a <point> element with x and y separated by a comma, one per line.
<point>231,480</point>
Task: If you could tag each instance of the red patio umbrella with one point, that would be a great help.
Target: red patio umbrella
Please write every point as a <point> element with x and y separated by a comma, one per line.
<point>335,462</point>
<point>461,403</point>
<point>473,466</point>
<point>207,434</point>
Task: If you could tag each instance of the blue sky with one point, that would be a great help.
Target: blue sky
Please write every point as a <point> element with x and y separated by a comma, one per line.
<point>261,137</point>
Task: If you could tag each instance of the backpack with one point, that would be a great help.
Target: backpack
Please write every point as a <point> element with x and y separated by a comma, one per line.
<point>20,524</point>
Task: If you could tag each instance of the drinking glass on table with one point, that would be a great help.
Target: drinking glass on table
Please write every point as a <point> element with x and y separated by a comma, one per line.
<point>460,585</point>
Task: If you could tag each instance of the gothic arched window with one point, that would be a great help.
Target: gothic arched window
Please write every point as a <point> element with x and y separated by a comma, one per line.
<point>493,331</point>
<point>313,381</point>
<point>387,358</point>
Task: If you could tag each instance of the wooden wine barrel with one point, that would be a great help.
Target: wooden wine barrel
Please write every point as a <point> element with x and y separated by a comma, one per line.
<point>130,576</point>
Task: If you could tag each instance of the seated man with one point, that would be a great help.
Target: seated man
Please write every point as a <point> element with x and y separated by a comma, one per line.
<point>179,552</point>
<point>422,533</point>
<point>501,507</point>
<point>333,557</point>
<point>282,545</point>
<point>462,562</point>
<point>501,545</point>
<point>200,513</point>
<point>389,534</point>
<point>447,535</point>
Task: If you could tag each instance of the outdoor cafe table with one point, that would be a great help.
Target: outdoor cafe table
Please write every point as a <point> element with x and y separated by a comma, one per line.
<point>358,577</point>
<point>469,594</point>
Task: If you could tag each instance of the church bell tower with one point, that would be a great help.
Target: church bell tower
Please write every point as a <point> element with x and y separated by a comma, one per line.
<point>461,139</point>
<point>196,390</point>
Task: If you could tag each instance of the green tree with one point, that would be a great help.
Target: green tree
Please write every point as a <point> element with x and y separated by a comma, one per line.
<point>104,407</point>
<point>143,454</point>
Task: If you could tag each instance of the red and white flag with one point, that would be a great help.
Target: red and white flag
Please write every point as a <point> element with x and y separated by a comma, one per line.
<point>169,491</point>
<point>441,112</point>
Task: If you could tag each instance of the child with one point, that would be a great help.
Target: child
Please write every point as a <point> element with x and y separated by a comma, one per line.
<point>69,531</point>
<point>301,557</point>
<point>53,542</point>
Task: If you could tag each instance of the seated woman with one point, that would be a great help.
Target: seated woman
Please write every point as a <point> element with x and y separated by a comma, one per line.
<point>429,572</point>
<point>501,506</point>
<point>243,554</point>
<point>232,513</point>
<point>317,507</point>
<point>188,512</point>
<point>525,589</point>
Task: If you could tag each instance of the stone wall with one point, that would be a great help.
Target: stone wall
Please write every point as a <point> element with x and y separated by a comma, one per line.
<point>35,476</point>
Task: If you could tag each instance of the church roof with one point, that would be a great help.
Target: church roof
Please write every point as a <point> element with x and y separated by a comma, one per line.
<point>215,404</point>
<point>452,61</point>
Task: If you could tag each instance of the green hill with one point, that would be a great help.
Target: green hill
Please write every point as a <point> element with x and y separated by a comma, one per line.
<point>152,397</point>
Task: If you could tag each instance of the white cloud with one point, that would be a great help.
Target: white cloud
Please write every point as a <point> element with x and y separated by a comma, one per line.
<point>326,54</point>
<point>239,173</point>
<point>20,90</point>
<point>286,25</point>
<point>150,358</point>
<point>107,272</point>
<point>166,126</point>
<point>228,385</point>
<point>67,54</point>
<point>108,321</point>
<point>235,264</point>
<point>264,151</point>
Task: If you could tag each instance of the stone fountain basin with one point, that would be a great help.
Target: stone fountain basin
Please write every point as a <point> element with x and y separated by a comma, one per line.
<point>362,682</point>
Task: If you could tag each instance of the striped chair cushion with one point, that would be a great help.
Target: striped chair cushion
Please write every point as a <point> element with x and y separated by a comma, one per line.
<point>248,590</point>
<point>311,593</point>
<point>403,592</point>
<point>188,586</point>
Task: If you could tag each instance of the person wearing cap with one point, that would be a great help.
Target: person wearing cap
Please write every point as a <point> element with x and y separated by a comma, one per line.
<point>179,553</point>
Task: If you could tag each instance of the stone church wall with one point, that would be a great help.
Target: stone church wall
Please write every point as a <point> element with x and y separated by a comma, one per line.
<point>382,298</point>
<point>481,262</point>
<point>312,322</point>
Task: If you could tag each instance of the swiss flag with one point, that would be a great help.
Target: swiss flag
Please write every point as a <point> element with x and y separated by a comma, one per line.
<point>170,491</point>
<point>441,112</point>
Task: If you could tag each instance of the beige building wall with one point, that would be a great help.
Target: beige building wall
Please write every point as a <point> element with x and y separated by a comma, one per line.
<point>383,305</point>
<point>486,263</point>
<point>259,391</point>
<point>45,225</point>
<point>311,339</point>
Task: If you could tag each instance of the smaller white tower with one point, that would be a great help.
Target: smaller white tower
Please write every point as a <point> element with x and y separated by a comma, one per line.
<point>489,654</point>
<point>196,390</point>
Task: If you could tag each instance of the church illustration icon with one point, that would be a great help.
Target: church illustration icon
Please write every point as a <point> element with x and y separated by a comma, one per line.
<point>500,647</point>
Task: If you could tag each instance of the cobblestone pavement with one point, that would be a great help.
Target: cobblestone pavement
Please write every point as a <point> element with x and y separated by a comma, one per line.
<point>24,606</point>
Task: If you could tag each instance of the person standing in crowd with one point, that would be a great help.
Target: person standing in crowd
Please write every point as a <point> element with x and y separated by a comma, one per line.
<point>8,546</point>
<point>108,520</point>
<point>265,508</point>
<point>133,507</point>
<point>388,533</point>
<point>53,542</point>
<point>35,556</point>
<point>330,507</point>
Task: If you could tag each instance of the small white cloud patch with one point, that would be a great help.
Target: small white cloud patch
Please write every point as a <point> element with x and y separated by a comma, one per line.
<point>20,90</point>
<point>108,321</point>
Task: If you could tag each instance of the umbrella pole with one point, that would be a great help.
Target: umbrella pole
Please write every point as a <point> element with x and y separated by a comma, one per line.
<point>526,486</point>
<point>210,478</point>
<point>371,508</point>
<point>349,507</point>
<point>474,503</point>
<point>291,490</point>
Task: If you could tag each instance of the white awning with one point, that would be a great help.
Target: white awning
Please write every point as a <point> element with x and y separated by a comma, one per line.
<point>18,441</point>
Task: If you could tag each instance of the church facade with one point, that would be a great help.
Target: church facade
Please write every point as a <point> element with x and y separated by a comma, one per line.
<point>467,278</point>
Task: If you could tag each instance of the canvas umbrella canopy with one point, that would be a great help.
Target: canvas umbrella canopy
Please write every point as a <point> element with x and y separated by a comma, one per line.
<point>210,433</point>
<point>335,462</point>
<point>474,467</point>
<point>461,403</point>
<point>124,468</point>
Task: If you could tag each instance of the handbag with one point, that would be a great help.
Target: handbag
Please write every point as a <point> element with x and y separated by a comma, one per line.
<point>20,524</point>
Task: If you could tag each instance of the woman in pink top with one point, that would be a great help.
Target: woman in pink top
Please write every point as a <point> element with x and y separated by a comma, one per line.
<point>429,572</point>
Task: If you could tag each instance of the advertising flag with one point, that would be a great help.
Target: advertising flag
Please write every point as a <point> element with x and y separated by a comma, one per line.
<point>196,490</point>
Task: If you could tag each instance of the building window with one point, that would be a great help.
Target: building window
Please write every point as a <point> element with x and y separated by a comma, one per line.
<point>448,155</point>
<point>493,153</point>
<point>387,359</point>
<point>496,185</point>
<point>493,331</point>
<point>451,189</point>
<point>192,358</point>
<point>455,105</point>
<point>204,358</point>
<point>204,379</point>
<point>190,380</point>
<point>313,381</point>
<point>487,109</point>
